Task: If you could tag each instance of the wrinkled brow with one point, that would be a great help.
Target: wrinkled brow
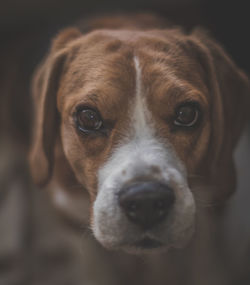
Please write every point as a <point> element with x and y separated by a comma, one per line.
<point>92,98</point>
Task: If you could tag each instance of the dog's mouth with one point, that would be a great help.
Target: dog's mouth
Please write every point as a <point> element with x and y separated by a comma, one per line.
<point>148,243</point>
<point>145,245</point>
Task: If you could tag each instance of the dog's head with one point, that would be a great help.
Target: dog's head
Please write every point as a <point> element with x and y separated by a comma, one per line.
<point>144,119</point>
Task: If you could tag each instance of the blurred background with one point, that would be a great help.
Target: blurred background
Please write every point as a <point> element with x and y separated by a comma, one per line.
<point>29,228</point>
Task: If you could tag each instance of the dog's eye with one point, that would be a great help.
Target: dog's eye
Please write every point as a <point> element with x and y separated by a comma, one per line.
<point>187,114</point>
<point>88,120</point>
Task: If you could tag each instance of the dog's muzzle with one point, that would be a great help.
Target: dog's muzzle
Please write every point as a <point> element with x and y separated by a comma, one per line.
<point>138,208</point>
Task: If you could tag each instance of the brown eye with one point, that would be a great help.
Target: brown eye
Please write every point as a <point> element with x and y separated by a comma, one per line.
<point>88,120</point>
<point>187,115</point>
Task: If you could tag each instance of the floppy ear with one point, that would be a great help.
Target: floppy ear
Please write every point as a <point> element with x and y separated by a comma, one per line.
<point>229,88</point>
<point>45,86</point>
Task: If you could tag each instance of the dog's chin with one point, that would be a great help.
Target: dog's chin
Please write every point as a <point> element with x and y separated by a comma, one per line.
<point>143,246</point>
<point>147,245</point>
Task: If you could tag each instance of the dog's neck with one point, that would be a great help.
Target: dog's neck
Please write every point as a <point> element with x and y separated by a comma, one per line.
<point>202,257</point>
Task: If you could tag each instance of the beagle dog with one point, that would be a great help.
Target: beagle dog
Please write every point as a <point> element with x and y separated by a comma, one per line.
<point>144,118</point>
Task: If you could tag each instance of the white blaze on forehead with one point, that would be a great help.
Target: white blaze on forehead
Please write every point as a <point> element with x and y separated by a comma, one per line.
<point>141,114</point>
<point>141,150</point>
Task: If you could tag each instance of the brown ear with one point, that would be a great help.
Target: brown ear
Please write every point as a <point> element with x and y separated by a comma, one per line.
<point>45,86</point>
<point>230,92</point>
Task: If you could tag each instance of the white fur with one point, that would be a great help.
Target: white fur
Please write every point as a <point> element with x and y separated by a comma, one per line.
<point>136,157</point>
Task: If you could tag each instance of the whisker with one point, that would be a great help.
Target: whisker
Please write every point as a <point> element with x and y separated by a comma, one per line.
<point>203,196</point>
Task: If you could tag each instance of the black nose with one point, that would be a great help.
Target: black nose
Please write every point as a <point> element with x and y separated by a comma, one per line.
<point>146,203</point>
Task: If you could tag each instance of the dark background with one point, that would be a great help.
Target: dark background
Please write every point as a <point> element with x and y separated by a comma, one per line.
<point>228,20</point>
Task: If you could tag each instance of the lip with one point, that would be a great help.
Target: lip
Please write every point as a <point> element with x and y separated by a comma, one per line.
<point>148,243</point>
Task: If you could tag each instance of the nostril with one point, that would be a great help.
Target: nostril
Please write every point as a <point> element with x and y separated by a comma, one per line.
<point>165,201</point>
<point>160,207</point>
<point>146,203</point>
<point>131,208</point>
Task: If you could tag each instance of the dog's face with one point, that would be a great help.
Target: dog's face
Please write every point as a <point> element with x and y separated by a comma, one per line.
<point>141,116</point>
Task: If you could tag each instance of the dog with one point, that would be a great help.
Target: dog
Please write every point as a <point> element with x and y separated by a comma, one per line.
<point>143,118</point>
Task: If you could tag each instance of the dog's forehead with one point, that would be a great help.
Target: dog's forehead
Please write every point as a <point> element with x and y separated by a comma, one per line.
<point>104,63</point>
